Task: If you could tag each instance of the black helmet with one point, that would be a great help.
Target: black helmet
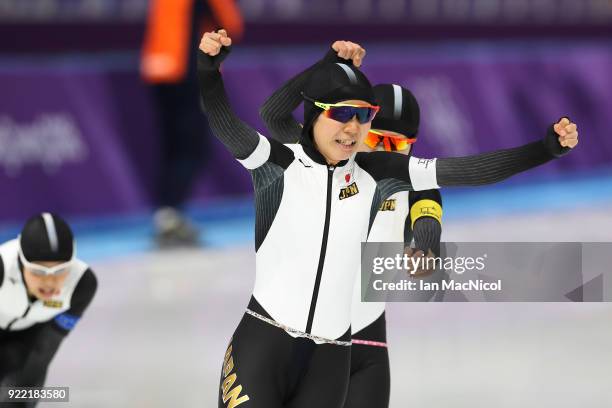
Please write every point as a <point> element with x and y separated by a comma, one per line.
<point>399,110</point>
<point>46,237</point>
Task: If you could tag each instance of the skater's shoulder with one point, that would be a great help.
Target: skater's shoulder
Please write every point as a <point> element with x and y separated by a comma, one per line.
<point>8,253</point>
<point>85,289</point>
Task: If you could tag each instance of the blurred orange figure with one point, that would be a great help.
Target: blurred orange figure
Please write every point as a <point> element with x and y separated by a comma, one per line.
<point>173,30</point>
<point>169,34</point>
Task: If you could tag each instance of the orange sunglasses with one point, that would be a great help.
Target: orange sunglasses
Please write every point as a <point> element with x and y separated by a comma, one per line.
<point>391,141</point>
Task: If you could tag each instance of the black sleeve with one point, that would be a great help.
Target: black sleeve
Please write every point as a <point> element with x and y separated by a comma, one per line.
<point>489,168</point>
<point>81,298</point>
<point>277,110</point>
<point>486,168</point>
<point>83,293</point>
<point>239,138</point>
<point>496,166</point>
<point>427,230</point>
<point>408,235</point>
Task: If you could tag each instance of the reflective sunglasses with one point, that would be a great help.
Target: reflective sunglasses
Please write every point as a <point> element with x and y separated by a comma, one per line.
<point>40,270</point>
<point>391,142</point>
<point>344,112</point>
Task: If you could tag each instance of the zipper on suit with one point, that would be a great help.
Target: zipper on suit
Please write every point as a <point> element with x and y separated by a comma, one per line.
<point>315,292</point>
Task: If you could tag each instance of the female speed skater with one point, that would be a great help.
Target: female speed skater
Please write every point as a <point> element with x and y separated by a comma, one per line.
<point>44,291</point>
<point>292,346</point>
<point>400,217</point>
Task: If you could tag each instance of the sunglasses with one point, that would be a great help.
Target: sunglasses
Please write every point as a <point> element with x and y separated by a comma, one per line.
<point>40,270</point>
<point>391,142</point>
<point>344,112</point>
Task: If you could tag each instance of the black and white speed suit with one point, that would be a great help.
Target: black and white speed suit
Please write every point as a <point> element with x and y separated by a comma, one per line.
<point>291,347</point>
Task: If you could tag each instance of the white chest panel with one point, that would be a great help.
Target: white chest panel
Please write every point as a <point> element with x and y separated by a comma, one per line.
<point>288,259</point>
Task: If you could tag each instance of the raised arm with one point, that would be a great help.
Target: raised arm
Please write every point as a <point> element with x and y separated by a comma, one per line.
<point>239,138</point>
<point>492,167</point>
<point>486,168</point>
<point>276,112</point>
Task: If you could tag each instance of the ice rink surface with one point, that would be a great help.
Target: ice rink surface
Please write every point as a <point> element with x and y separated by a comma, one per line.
<point>156,333</point>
